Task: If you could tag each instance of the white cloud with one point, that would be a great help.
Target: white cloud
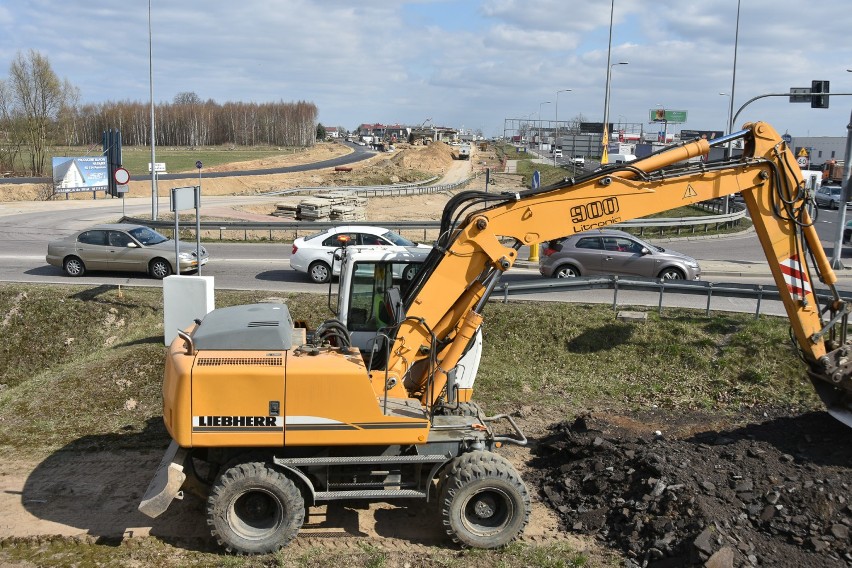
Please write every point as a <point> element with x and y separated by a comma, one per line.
<point>465,64</point>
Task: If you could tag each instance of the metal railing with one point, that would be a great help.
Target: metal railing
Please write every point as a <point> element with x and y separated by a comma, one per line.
<point>661,223</point>
<point>758,292</point>
<point>414,187</point>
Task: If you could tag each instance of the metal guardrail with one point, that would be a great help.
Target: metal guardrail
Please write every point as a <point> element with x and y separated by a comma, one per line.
<point>362,189</point>
<point>758,292</point>
<point>296,226</point>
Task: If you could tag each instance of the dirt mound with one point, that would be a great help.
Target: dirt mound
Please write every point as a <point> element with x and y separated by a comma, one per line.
<point>770,494</point>
<point>436,156</point>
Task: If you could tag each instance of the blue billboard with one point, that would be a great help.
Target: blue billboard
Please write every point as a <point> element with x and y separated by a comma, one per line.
<point>89,173</point>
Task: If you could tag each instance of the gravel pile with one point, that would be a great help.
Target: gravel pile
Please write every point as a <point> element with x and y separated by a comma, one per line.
<point>777,493</point>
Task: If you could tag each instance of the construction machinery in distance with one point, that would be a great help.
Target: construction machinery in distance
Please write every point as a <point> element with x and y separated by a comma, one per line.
<point>267,419</point>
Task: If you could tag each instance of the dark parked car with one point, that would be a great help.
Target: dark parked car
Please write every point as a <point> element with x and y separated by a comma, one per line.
<point>829,196</point>
<point>123,247</point>
<point>609,251</point>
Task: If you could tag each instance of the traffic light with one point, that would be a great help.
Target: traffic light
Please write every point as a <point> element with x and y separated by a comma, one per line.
<point>819,101</point>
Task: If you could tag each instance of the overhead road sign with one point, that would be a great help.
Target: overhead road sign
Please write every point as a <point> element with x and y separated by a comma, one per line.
<point>800,94</point>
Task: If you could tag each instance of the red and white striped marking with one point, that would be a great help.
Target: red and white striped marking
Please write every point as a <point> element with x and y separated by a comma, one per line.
<point>796,278</point>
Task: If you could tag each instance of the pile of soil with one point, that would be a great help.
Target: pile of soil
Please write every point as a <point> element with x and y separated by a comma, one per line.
<point>434,157</point>
<point>774,493</point>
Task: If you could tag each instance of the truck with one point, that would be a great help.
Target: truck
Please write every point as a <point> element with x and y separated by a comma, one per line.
<point>464,151</point>
<point>832,171</point>
<point>268,418</point>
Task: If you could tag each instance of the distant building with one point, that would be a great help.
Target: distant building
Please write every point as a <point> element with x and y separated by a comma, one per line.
<point>820,148</point>
<point>378,133</point>
<point>331,132</point>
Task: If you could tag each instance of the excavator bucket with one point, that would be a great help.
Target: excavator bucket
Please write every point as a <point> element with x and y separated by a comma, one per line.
<point>837,402</point>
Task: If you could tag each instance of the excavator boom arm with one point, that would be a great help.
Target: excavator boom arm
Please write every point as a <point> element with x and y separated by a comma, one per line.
<point>444,304</point>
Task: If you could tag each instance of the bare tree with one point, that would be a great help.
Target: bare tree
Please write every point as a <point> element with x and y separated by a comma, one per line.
<point>574,124</point>
<point>36,99</point>
<point>187,98</point>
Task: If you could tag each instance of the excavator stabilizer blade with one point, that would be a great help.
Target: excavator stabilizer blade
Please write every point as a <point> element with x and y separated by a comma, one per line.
<point>166,483</point>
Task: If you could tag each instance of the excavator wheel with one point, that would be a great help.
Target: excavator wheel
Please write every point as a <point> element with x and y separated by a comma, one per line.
<point>254,509</point>
<point>484,502</point>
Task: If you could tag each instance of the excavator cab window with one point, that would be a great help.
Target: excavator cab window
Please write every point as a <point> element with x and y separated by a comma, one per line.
<point>369,283</point>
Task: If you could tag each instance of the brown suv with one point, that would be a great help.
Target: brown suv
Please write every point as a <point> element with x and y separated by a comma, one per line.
<point>609,251</point>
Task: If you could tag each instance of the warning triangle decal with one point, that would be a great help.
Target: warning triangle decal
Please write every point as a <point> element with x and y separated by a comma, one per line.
<point>689,192</point>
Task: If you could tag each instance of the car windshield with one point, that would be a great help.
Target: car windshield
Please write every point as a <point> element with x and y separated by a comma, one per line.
<point>398,240</point>
<point>147,236</point>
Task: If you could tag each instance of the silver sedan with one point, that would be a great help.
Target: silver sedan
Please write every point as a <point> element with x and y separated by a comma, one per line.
<point>122,247</point>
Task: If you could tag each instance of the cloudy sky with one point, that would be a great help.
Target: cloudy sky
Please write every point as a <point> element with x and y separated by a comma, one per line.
<point>462,63</point>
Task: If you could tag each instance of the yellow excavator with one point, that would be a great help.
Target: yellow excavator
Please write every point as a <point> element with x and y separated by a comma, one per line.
<point>268,419</point>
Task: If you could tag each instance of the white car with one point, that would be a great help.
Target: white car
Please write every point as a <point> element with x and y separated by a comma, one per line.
<point>314,254</point>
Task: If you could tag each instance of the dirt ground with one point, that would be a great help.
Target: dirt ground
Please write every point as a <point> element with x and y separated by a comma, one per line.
<point>773,492</point>
<point>660,489</point>
<point>406,163</point>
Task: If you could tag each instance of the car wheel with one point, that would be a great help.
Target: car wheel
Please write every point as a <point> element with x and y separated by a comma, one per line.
<point>409,272</point>
<point>846,236</point>
<point>319,272</point>
<point>566,271</point>
<point>73,266</point>
<point>833,205</point>
<point>254,509</point>
<point>671,274</point>
<point>159,268</point>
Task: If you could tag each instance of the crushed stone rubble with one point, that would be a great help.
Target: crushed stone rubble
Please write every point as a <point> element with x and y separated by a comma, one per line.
<point>775,493</point>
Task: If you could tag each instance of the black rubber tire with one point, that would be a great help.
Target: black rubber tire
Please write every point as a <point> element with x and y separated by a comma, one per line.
<point>159,268</point>
<point>74,266</point>
<point>254,508</point>
<point>671,274</point>
<point>319,272</point>
<point>566,271</point>
<point>409,272</point>
<point>484,502</point>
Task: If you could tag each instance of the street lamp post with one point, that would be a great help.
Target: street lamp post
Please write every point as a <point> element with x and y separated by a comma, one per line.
<point>728,127</point>
<point>539,123</point>
<point>728,150</point>
<point>605,157</point>
<point>556,138</point>
<point>151,83</point>
<point>734,75</point>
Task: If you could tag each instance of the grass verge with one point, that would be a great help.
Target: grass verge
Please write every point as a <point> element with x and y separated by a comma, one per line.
<point>100,351</point>
<point>83,371</point>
